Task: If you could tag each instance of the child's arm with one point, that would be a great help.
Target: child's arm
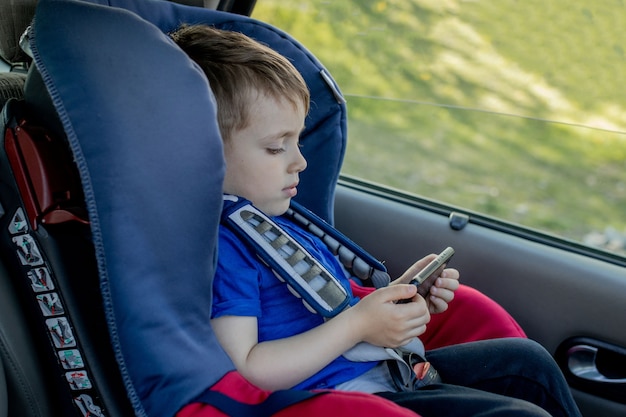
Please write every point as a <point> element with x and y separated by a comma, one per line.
<point>442,291</point>
<point>283,363</point>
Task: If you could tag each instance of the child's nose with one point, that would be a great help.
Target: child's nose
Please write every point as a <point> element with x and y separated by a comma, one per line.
<point>299,163</point>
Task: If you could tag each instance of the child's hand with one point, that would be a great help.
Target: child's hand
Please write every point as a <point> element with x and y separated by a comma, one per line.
<point>383,322</point>
<point>442,291</point>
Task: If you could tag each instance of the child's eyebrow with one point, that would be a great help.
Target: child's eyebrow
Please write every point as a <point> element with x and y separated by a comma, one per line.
<point>284,133</point>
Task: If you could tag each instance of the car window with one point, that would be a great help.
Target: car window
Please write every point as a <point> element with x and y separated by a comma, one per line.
<point>512,109</point>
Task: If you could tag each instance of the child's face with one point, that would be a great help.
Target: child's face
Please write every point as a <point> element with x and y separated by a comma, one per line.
<point>263,161</point>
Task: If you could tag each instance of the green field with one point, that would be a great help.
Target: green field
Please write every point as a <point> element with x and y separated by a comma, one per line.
<point>515,109</point>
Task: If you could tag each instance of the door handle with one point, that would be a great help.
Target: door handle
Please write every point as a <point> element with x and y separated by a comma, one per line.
<point>594,367</point>
<point>581,362</point>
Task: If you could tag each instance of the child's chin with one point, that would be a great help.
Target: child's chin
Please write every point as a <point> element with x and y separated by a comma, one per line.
<point>278,208</point>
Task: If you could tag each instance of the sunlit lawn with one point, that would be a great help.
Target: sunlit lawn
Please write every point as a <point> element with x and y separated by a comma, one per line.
<point>530,108</point>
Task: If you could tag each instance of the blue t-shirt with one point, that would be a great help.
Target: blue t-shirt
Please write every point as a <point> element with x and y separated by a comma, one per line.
<point>244,286</point>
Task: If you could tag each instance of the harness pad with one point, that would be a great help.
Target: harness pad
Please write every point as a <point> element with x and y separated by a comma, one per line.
<point>306,277</point>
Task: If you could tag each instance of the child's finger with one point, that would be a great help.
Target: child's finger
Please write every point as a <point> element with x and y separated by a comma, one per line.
<point>450,273</point>
<point>442,293</point>
<point>437,305</point>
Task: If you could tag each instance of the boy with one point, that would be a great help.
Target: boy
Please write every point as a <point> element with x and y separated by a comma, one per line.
<point>273,340</point>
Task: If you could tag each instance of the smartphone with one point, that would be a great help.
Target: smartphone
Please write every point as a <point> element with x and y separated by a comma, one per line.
<point>427,276</point>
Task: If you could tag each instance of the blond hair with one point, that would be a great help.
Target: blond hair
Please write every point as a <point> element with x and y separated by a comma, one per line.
<point>237,68</point>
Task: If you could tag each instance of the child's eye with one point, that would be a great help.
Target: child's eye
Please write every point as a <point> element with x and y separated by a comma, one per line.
<point>275,151</point>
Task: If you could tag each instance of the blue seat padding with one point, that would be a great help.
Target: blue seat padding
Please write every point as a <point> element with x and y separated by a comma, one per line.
<point>140,119</point>
<point>324,138</point>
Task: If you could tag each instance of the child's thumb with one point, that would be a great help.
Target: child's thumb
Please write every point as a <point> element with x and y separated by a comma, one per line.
<point>399,292</point>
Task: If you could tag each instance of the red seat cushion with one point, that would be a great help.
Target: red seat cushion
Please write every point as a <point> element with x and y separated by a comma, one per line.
<point>334,403</point>
<point>471,316</point>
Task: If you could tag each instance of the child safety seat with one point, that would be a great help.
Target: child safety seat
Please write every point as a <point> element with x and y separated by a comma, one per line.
<point>138,118</point>
<point>142,214</point>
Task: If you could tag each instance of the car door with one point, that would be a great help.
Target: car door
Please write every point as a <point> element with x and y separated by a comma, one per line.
<point>496,129</point>
<point>572,303</point>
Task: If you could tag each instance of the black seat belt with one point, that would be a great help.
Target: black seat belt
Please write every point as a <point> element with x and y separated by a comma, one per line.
<point>275,402</point>
<point>44,195</point>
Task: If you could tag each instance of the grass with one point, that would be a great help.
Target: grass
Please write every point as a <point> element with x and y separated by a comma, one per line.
<point>511,108</point>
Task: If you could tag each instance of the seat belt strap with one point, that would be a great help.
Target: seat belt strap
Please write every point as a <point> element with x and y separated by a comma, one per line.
<point>305,276</point>
<point>359,262</point>
<point>47,195</point>
<point>308,279</point>
<point>276,401</point>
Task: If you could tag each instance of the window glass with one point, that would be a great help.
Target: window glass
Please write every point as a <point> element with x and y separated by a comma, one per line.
<point>514,109</point>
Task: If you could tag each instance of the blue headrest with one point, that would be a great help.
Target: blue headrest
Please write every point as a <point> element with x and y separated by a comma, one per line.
<point>140,119</point>
<point>324,139</point>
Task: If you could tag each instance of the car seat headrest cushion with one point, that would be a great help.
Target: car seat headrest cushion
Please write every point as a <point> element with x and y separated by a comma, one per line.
<point>324,138</point>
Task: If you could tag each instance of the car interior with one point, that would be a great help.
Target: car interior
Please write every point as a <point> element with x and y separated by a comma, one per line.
<point>85,272</point>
